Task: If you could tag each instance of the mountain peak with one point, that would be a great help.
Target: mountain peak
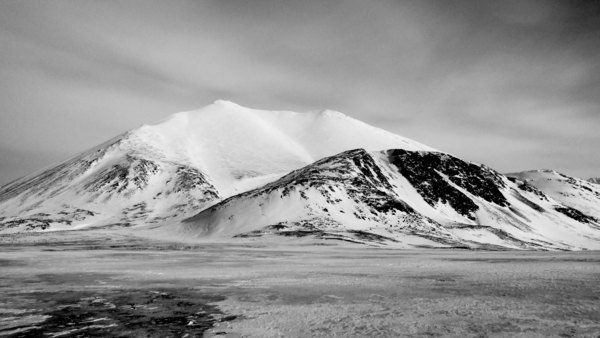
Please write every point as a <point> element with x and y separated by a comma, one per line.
<point>225,103</point>
<point>331,113</point>
<point>209,154</point>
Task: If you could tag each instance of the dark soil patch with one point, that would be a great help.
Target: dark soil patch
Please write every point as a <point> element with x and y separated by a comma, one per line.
<point>11,262</point>
<point>126,313</point>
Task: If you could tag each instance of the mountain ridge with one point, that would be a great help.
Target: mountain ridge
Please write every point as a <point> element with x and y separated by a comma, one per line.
<point>224,147</point>
<point>595,180</point>
<point>458,204</point>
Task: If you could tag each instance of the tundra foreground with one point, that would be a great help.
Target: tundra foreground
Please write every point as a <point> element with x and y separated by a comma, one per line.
<point>111,284</point>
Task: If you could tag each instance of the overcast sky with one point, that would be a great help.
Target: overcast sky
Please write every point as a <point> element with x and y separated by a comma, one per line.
<point>512,84</point>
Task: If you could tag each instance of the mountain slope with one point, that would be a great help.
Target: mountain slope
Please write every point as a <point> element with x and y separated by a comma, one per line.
<point>183,164</point>
<point>595,180</point>
<point>122,182</point>
<point>577,194</point>
<point>397,196</point>
<point>343,192</point>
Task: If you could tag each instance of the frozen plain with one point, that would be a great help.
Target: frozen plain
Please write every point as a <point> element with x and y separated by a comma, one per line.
<point>102,283</point>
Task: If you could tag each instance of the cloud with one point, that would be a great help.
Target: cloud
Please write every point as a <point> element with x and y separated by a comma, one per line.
<point>504,83</point>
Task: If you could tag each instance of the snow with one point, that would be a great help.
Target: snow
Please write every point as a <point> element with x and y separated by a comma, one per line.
<point>229,142</point>
<point>290,288</point>
<point>570,191</point>
<point>229,165</point>
<point>235,148</point>
<point>519,225</point>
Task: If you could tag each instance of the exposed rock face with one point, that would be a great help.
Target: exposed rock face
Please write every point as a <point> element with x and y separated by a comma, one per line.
<point>595,180</point>
<point>439,178</point>
<point>576,215</point>
<point>125,178</point>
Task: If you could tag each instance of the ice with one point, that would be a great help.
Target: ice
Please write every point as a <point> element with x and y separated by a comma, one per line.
<point>285,288</point>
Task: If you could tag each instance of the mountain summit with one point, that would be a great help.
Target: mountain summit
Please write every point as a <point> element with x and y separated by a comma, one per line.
<point>187,162</point>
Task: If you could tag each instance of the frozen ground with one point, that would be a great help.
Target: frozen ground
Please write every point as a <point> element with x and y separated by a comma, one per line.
<point>100,284</point>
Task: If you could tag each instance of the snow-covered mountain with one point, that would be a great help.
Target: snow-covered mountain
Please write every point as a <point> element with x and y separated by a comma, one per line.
<point>344,192</point>
<point>581,197</point>
<point>595,180</point>
<point>179,166</point>
<point>403,198</point>
<point>123,182</point>
<point>230,171</point>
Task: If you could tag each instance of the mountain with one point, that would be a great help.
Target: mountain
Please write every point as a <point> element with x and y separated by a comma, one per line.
<point>402,198</point>
<point>172,169</point>
<point>346,191</point>
<point>578,195</point>
<point>595,180</point>
<point>229,171</point>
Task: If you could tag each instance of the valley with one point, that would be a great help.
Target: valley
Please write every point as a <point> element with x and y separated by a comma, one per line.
<point>94,283</point>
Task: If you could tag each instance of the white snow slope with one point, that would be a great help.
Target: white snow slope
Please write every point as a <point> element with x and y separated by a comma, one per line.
<point>175,168</point>
<point>573,192</point>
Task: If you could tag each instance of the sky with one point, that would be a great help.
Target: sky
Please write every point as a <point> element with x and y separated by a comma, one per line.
<point>514,84</point>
